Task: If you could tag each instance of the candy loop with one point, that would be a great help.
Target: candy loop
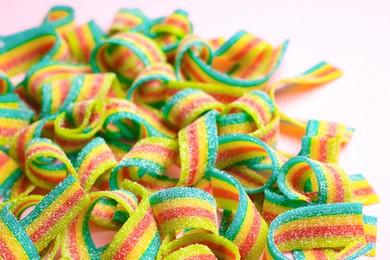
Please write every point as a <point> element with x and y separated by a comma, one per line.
<point>83,39</point>
<point>238,149</point>
<point>20,140</point>
<point>187,105</point>
<point>307,180</point>
<point>85,117</point>
<point>94,160</point>
<point>140,227</point>
<point>241,123</point>
<point>54,212</point>
<point>323,140</point>
<point>247,228</point>
<point>125,53</point>
<point>319,226</point>
<point>199,69</point>
<point>61,17</point>
<point>20,205</point>
<point>198,149</point>
<point>56,95</point>
<point>243,56</point>
<point>126,120</point>
<point>48,71</point>
<point>169,32</point>
<point>149,158</point>
<point>78,124</point>
<point>261,109</point>
<point>40,43</point>
<point>77,241</point>
<point>127,19</point>
<point>255,103</point>
<point>275,204</point>
<point>192,43</point>
<point>46,163</point>
<point>179,208</point>
<point>105,213</point>
<point>80,88</point>
<point>176,24</point>
<point>149,86</point>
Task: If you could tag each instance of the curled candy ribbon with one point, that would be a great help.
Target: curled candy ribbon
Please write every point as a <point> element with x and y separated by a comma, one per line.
<point>321,226</point>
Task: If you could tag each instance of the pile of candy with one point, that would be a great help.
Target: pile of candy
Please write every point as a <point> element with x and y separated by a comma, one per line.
<point>170,140</point>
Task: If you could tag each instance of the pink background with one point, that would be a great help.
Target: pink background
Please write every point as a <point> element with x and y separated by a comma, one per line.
<point>353,35</point>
